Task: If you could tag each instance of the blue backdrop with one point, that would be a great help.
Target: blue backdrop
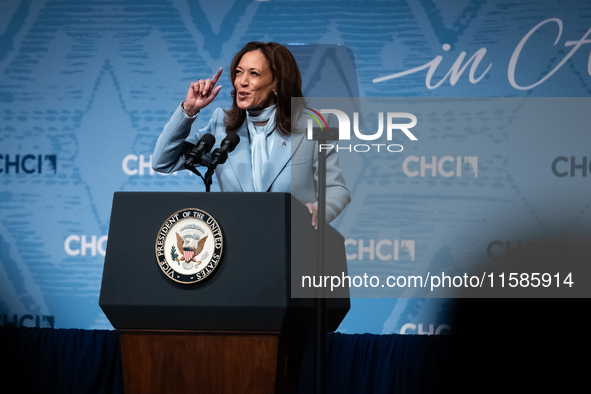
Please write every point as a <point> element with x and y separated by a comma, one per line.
<point>86,87</point>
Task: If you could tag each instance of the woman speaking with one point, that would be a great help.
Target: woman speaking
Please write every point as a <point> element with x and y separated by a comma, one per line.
<point>269,158</point>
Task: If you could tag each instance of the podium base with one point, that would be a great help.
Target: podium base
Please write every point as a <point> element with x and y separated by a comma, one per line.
<point>209,361</point>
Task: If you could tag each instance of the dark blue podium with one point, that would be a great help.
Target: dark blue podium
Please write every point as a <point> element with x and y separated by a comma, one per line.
<point>238,330</point>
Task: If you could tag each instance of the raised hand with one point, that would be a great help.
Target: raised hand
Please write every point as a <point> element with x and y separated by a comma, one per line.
<point>202,93</point>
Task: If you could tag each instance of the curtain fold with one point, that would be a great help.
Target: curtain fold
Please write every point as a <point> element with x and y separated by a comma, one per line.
<point>45,360</point>
<point>369,363</point>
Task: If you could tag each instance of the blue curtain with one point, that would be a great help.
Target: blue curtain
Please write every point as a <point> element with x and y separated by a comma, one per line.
<point>368,363</point>
<point>45,360</point>
<point>497,346</point>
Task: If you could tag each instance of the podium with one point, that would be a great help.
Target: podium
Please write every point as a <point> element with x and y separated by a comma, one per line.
<point>237,330</point>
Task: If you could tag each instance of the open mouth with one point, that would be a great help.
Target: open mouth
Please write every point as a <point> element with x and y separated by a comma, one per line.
<point>242,95</point>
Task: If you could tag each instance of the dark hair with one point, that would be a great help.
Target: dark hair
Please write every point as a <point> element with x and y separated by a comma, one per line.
<point>287,79</point>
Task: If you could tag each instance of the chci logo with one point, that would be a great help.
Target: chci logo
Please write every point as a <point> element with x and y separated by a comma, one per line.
<point>189,246</point>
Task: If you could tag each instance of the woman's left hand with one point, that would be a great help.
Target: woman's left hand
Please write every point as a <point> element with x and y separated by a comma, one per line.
<point>313,209</point>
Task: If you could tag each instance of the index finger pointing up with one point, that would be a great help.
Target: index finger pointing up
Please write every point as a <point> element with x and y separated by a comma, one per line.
<point>215,78</point>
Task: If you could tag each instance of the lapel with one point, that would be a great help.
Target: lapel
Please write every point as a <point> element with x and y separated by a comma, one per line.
<point>241,164</point>
<point>239,160</point>
<point>280,155</point>
<point>283,148</point>
<point>296,140</point>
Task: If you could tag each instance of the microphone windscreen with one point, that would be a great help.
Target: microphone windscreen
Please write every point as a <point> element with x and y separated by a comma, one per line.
<point>208,140</point>
<point>232,139</point>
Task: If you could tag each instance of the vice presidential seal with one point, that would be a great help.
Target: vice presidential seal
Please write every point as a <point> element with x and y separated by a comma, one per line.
<point>189,246</point>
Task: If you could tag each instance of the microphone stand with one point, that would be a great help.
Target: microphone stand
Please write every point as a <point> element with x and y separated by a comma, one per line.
<point>320,382</point>
<point>203,146</point>
<point>320,301</point>
<point>207,180</point>
<point>194,171</point>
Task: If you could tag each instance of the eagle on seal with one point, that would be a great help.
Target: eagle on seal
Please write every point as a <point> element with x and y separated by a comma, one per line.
<point>189,247</point>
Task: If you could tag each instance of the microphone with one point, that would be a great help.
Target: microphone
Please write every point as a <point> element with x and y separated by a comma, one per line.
<point>203,146</point>
<point>220,155</point>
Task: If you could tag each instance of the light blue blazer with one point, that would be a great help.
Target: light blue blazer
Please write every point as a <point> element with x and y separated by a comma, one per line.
<point>294,161</point>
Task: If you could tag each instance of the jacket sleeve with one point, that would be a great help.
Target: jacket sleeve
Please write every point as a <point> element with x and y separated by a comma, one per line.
<point>337,193</point>
<point>168,153</point>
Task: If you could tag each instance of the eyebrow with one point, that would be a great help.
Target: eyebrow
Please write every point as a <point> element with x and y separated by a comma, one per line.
<point>250,69</point>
